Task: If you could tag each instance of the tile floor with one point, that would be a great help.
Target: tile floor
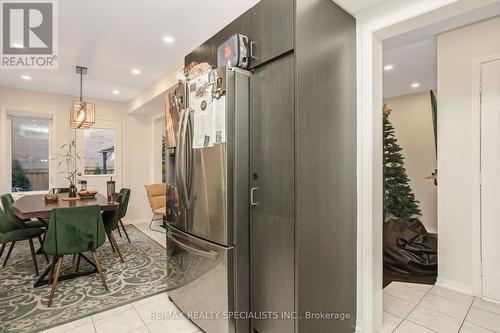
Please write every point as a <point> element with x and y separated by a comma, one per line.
<point>417,308</point>
<point>149,315</point>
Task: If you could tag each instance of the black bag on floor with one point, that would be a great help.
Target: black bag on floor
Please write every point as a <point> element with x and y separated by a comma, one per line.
<point>409,248</point>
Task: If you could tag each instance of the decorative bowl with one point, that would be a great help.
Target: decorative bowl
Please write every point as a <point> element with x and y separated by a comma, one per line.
<point>87,195</point>
<point>51,197</point>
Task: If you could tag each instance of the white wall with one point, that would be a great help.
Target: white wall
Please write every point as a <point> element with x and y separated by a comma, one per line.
<point>457,51</point>
<point>412,121</point>
<point>136,141</point>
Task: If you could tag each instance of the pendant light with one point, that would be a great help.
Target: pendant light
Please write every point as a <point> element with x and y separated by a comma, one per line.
<point>82,114</point>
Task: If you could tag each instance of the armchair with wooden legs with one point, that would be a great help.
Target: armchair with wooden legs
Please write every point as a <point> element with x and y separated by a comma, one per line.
<point>11,232</point>
<point>125,193</point>
<point>72,231</point>
<point>111,220</point>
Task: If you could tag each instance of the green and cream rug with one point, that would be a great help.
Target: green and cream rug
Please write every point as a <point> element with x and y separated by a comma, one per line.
<point>24,308</point>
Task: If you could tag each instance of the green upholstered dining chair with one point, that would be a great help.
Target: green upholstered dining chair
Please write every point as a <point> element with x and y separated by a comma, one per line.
<point>7,202</point>
<point>125,193</point>
<point>11,232</point>
<point>111,219</point>
<point>73,230</point>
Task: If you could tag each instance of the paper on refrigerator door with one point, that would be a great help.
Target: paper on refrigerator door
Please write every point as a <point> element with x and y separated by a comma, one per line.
<point>200,101</point>
<point>219,120</point>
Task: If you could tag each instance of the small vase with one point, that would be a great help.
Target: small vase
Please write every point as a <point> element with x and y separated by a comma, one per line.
<point>72,191</point>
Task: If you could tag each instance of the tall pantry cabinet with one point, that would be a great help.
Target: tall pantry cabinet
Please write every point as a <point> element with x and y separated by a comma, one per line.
<point>302,233</point>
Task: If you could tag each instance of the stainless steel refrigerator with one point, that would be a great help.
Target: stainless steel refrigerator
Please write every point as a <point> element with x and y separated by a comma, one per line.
<point>207,121</point>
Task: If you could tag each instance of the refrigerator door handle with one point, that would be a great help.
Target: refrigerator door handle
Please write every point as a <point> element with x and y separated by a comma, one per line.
<point>252,196</point>
<point>178,167</point>
<point>183,160</point>
<point>202,253</point>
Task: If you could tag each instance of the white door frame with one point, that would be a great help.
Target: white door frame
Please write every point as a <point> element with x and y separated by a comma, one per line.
<point>369,158</point>
<point>477,282</point>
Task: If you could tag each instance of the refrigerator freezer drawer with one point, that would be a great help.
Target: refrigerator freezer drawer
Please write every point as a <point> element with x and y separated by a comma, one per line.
<point>206,290</point>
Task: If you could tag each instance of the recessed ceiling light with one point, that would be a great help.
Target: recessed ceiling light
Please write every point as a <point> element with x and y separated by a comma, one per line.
<point>168,39</point>
<point>388,68</point>
<point>116,92</point>
<point>136,71</point>
<point>415,85</point>
<point>26,77</point>
<point>18,46</point>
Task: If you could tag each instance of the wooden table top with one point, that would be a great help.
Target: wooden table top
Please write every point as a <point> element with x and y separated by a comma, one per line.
<point>34,205</point>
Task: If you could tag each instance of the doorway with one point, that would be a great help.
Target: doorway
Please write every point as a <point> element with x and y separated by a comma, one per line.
<point>371,35</point>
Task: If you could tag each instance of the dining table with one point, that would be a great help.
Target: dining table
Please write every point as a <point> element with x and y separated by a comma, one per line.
<point>34,206</point>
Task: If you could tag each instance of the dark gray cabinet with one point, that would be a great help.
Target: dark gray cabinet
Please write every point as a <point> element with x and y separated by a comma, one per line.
<point>272,29</point>
<point>272,137</point>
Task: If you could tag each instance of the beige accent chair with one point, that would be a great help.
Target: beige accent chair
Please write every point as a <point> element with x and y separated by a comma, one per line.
<point>157,201</point>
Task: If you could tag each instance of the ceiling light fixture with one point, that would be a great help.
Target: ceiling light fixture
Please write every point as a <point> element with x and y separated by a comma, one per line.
<point>116,92</point>
<point>18,46</point>
<point>415,85</point>
<point>168,39</point>
<point>26,77</point>
<point>82,114</point>
<point>136,71</point>
<point>388,68</point>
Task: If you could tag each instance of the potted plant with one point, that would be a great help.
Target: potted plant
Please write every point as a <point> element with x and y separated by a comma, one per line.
<point>68,158</point>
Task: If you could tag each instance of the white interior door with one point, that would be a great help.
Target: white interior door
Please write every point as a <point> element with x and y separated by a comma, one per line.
<point>490,170</point>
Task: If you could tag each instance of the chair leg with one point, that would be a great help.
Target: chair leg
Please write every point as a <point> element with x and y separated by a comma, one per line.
<point>110,242</point>
<point>41,244</point>
<point>124,230</point>
<point>78,261</point>
<point>119,232</point>
<point>151,223</point>
<point>3,248</point>
<point>98,267</point>
<point>55,280</point>
<point>33,255</point>
<point>8,253</point>
<point>52,267</point>
<point>112,239</point>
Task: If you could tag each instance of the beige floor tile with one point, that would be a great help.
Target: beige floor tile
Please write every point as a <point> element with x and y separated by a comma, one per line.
<point>112,312</point>
<point>123,322</point>
<point>434,320</point>
<point>486,305</point>
<point>182,325</point>
<point>390,323</point>
<point>397,306</point>
<point>445,305</point>
<point>469,328</point>
<point>409,327</point>
<point>451,294</point>
<point>160,309</point>
<point>71,326</point>
<point>409,292</point>
<point>484,319</point>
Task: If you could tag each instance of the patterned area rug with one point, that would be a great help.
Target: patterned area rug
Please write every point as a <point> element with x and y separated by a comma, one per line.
<point>24,308</point>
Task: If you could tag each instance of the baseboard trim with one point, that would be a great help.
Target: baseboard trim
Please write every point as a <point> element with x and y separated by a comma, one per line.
<point>455,286</point>
<point>359,326</point>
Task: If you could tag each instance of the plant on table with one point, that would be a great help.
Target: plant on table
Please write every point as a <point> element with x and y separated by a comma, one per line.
<point>68,158</point>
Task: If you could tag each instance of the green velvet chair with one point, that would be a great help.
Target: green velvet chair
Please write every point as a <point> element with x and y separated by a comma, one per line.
<point>72,231</point>
<point>125,193</point>
<point>7,202</point>
<point>111,220</point>
<point>11,232</point>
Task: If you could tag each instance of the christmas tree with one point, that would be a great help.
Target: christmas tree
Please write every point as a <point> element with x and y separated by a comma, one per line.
<point>399,199</point>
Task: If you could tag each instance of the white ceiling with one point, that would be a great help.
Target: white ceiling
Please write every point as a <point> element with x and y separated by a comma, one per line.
<point>414,53</point>
<point>413,63</point>
<point>113,37</point>
<point>357,6</point>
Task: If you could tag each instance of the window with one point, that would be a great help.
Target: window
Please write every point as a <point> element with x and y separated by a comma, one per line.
<point>30,153</point>
<point>99,151</point>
